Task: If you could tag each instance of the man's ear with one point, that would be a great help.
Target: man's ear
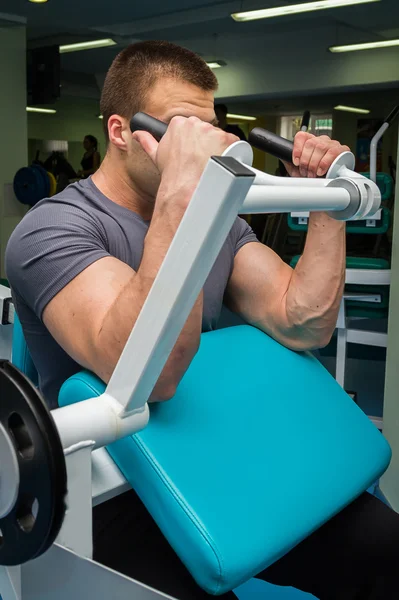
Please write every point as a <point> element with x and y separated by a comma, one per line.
<point>119,132</point>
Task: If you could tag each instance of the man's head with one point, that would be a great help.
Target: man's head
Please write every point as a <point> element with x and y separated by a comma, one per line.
<point>221,115</point>
<point>161,79</point>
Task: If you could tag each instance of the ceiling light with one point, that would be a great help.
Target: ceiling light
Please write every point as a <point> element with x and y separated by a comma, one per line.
<point>100,117</point>
<point>38,1</point>
<point>87,45</point>
<point>240,117</point>
<point>366,46</point>
<point>48,111</point>
<point>280,11</point>
<point>361,111</point>
<point>216,64</point>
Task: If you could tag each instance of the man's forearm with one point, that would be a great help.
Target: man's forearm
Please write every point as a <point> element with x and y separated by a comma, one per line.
<point>123,314</point>
<point>317,283</point>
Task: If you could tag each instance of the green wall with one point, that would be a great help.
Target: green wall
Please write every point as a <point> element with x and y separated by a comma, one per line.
<point>13,127</point>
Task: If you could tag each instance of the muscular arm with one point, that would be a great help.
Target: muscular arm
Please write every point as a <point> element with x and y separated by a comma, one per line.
<point>299,308</point>
<point>92,317</point>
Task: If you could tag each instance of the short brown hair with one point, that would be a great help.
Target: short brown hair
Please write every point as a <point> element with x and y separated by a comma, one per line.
<point>135,70</point>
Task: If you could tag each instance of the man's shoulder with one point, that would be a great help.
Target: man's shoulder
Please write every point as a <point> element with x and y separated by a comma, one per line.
<point>68,210</point>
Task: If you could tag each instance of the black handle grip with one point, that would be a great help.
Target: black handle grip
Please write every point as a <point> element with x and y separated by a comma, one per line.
<point>392,115</point>
<point>271,143</point>
<point>143,122</point>
<point>305,120</point>
<point>259,138</point>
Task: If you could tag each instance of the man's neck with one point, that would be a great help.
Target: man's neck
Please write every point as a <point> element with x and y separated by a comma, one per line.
<point>113,182</point>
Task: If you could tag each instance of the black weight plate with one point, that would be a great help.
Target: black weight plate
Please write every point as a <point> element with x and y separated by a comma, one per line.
<point>24,414</point>
<point>45,179</point>
<point>28,186</point>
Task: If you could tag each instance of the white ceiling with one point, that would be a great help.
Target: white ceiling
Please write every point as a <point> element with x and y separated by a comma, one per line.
<point>254,51</point>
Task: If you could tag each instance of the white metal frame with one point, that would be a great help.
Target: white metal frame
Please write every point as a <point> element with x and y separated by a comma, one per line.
<point>347,336</point>
<point>223,191</point>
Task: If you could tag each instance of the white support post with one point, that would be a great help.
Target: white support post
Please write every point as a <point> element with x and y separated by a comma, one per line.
<point>194,249</point>
<point>76,531</point>
<point>373,151</point>
<point>341,345</point>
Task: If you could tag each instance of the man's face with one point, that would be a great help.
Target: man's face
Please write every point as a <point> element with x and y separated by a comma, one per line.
<point>167,99</point>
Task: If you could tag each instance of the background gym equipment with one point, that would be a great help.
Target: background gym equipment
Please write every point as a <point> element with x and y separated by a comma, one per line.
<point>374,142</point>
<point>366,293</point>
<point>32,184</point>
<point>226,507</point>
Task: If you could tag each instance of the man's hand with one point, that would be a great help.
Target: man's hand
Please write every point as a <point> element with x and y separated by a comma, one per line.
<point>313,156</point>
<point>184,150</point>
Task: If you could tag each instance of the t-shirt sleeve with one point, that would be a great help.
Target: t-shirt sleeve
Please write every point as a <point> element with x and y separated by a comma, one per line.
<point>49,247</point>
<point>243,234</point>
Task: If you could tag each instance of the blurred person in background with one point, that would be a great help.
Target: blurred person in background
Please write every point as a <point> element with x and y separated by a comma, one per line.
<point>221,115</point>
<point>91,159</point>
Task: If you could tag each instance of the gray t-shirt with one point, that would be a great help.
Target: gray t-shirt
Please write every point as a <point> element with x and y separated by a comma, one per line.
<point>59,238</point>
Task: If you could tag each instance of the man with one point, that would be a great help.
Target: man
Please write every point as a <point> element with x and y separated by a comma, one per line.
<point>81,265</point>
<point>221,115</point>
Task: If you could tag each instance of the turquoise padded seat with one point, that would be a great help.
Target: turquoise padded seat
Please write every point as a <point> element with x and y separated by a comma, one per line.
<point>258,448</point>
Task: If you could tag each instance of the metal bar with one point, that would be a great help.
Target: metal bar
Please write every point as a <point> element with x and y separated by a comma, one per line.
<point>10,583</point>
<point>107,479</point>
<point>341,357</point>
<point>76,531</point>
<point>60,574</point>
<point>367,338</point>
<point>296,214</point>
<point>368,276</point>
<point>194,249</point>
<point>376,298</point>
<point>263,178</point>
<point>340,365</point>
<point>378,422</point>
<point>98,419</point>
<point>373,151</point>
<point>262,199</point>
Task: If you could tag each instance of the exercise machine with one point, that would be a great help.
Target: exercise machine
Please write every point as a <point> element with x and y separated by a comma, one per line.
<point>234,472</point>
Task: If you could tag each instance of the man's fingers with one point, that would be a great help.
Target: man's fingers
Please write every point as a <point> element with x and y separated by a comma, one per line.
<point>316,161</point>
<point>300,140</point>
<point>147,142</point>
<point>328,159</point>
<point>307,157</point>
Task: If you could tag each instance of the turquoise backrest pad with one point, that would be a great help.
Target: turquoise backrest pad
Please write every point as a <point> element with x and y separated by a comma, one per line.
<point>258,448</point>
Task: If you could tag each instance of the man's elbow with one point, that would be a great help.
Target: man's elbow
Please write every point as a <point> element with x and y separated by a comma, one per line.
<point>309,340</point>
<point>164,391</point>
<point>173,373</point>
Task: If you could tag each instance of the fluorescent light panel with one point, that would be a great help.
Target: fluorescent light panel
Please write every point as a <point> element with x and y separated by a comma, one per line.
<point>48,111</point>
<point>360,111</point>
<point>241,117</point>
<point>215,64</point>
<point>293,9</point>
<point>365,46</point>
<point>87,45</point>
